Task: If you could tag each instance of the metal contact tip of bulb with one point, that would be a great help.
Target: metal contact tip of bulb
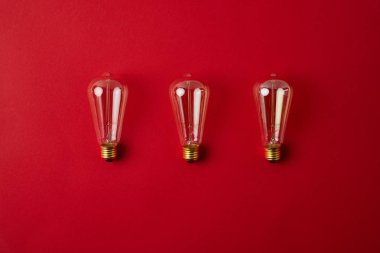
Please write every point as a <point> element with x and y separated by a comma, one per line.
<point>108,152</point>
<point>191,152</point>
<point>273,152</point>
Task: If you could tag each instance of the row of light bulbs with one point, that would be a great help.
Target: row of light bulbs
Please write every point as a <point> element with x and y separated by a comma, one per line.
<point>189,100</point>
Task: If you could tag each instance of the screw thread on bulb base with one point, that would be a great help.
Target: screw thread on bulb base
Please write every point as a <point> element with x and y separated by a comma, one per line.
<point>190,152</point>
<point>273,152</point>
<point>108,152</point>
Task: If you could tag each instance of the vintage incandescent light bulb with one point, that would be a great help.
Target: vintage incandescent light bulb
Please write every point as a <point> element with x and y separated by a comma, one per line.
<point>273,98</point>
<point>189,101</point>
<point>107,100</point>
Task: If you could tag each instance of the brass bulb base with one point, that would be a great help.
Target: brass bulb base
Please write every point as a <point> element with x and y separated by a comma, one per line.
<point>108,152</point>
<point>273,152</point>
<point>191,152</point>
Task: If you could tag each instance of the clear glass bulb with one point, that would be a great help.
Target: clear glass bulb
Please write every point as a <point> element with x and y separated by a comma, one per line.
<point>189,101</point>
<point>107,100</point>
<point>273,98</point>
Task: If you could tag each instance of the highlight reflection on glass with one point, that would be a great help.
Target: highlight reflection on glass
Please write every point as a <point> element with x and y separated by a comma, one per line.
<point>107,99</point>
<point>273,98</point>
<point>189,101</point>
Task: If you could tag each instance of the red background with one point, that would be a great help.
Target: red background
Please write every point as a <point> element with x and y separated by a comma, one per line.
<point>57,195</point>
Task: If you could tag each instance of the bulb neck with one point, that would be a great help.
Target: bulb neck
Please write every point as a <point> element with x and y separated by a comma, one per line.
<point>191,152</point>
<point>108,152</point>
<point>273,152</point>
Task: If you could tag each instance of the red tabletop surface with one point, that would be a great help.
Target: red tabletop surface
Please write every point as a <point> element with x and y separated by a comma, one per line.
<point>57,195</point>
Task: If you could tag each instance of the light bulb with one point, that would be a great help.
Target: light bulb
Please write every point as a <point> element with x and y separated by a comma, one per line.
<point>189,101</point>
<point>107,101</point>
<point>273,98</point>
